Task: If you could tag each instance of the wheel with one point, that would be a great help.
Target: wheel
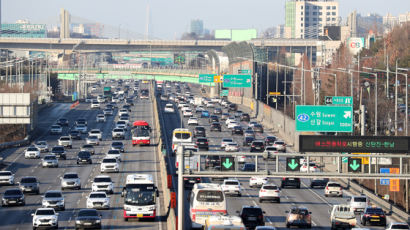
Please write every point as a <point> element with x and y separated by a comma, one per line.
<point>309,226</point>
<point>287,225</point>
<point>326,195</point>
<point>125,219</point>
<point>298,186</point>
<point>239,194</point>
<point>364,223</point>
<point>63,209</point>
<point>34,228</point>
<point>278,201</point>
<point>260,200</point>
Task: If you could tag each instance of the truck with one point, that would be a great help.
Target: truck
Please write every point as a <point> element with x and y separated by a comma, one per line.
<point>342,216</point>
<point>107,92</point>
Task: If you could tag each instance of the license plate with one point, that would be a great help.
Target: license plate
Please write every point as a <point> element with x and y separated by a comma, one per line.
<point>84,160</point>
<point>251,218</point>
<point>140,215</point>
<point>87,223</point>
<point>12,201</point>
<point>201,143</point>
<point>374,219</point>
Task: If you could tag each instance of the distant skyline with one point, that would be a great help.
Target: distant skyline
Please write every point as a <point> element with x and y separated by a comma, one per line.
<point>169,19</point>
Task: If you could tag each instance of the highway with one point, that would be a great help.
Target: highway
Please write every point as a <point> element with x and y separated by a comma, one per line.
<point>135,160</point>
<point>313,199</point>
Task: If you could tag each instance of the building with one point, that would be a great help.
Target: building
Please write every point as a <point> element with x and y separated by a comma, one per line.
<point>306,18</point>
<point>65,24</point>
<point>19,30</point>
<point>78,28</point>
<point>197,27</point>
<point>236,35</point>
<point>390,21</point>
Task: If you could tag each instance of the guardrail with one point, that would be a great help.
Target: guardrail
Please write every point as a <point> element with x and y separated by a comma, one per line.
<point>19,143</point>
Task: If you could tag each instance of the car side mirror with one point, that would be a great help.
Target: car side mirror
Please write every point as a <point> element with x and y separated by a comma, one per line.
<point>57,214</point>
<point>264,212</point>
<point>32,214</point>
<point>310,212</point>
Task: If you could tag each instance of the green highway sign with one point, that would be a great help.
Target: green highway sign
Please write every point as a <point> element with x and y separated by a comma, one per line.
<point>354,165</point>
<point>244,71</point>
<point>237,81</point>
<point>206,78</point>
<point>292,164</point>
<point>321,118</point>
<point>227,163</point>
<point>224,92</point>
<point>336,100</point>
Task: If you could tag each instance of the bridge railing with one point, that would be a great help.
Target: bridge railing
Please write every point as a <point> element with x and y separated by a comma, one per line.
<point>108,69</point>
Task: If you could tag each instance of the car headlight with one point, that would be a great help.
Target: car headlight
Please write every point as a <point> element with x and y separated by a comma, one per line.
<point>127,208</point>
<point>44,202</point>
<point>98,221</point>
<point>152,208</point>
<point>78,222</point>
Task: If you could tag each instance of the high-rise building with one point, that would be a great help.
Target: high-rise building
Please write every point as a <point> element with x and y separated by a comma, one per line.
<point>65,24</point>
<point>197,27</point>
<point>306,18</point>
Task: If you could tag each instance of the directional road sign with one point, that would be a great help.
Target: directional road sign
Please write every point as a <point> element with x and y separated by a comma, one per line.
<point>385,181</point>
<point>244,71</point>
<point>227,163</point>
<point>320,118</point>
<point>394,183</point>
<point>354,165</point>
<point>206,78</point>
<point>225,92</point>
<point>237,81</point>
<point>292,164</point>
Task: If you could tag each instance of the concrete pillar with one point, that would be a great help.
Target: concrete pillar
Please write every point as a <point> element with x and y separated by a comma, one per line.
<point>212,91</point>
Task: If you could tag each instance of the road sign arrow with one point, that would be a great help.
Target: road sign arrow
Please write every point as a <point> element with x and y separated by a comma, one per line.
<point>354,165</point>
<point>293,164</point>
<point>227,164</point>
<point>348,114</point>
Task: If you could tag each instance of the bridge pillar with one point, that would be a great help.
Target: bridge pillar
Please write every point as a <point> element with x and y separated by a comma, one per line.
<point>212,91</point>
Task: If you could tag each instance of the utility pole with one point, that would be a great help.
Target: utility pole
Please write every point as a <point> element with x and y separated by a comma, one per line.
<point>180,152</point>
<point>395,101</point>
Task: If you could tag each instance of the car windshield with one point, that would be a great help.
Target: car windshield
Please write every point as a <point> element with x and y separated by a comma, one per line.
<point>231,182</point>
<point>227,140</point>
<point>55,127</point>
<point>109,160</point>
<point>58,149</point>
<point>41,143</point>
<point>88,212</point>
<point>299,211</point>
<point>84,154</point>
<point>271,148</point>
<point>70,176</point>
<point>92,137</point>
<point>115,152</point>
<point>95,131</point>
<point>5,174</point>
<point>279,142</point>
<point>117,144</point>
<point>252,211</point>
<point>399,226</point>
<point>64,138</point>
<point>139,196</point>
<point>50,158</point>
<point>257,143</point>
<point>98,195</point>
<point>210,196</point>
<point>333,185</point>
<point>45,212</point>
<point>118,130</point>
<point>102,179</point>
<point>12,192</point>
<point>74,132</point>
<point>52,195</point>
<point>28,180</point>
<point>32,149</point>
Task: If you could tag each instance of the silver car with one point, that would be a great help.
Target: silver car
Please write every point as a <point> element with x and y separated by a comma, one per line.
<point>93,140</point>
<point>70,180</point>
<point>42,146</point>
<point>50,161</point>
<point>53,199</point>
<point>88,148</point>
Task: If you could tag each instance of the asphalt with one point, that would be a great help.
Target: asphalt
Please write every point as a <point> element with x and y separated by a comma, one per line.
<point>135,160</point>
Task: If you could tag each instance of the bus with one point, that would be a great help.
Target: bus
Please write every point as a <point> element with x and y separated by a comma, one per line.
<point>180,135</point>
<point>207,199</point>
<point>140,133</point>
<point>140,196</point>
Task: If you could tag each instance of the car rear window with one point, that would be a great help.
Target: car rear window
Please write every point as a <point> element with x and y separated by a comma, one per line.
<point>374,211</point>
<point>333,185</point>
<point>28,180</point>
<point>231,182</point>
<point>270,187</point>
<point>210,196</point>
<point>399,226</point>
<point>359,199</point>
<point>252,211</point>
<point>70,176</point>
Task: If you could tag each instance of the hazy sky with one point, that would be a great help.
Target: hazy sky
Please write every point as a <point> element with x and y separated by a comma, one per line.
<point>170,18</point>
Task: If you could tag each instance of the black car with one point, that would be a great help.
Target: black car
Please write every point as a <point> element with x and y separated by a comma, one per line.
<point>217,111</point>
<point>373,216</point>
<point>252,216</point>
<point>318,182</point>
<point>30,184</point>
<point>245,117</point>
<point>202,143</point>
<point>13,196</point>
<point>189,182</point>
<point>213,118</point>
<point>257,146</point>
<point>84,157</point>
<point>237,130</point>
<point>81,121</point>
<point>232,107</point>
<point>212,161</point>
<point>290,182</point>
<point>269,140</point>
<point>199,131</point>
<point>248,167</point>
<point>75,135</point>
<point>59,152</point>
<point>129,101</point>
<point>62,122</point>
<point>238,114</point>
<point>258,128</point>
<point>88,218</point>
<point>247,141</point>
<point>216,126</point>
<point>117,145</point>
<point>127,107</point>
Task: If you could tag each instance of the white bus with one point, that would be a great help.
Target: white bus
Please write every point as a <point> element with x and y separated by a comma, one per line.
<point>206,200</point>
<point>140,195</point>
<point>180,136</point>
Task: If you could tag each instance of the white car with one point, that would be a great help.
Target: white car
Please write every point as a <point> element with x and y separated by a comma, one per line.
<point>65,141</point>
<point>100,118</point>
<point>232,186</point>
<point>125,119</point>
<point>233,124</point>
<point>6,177</point>
<point>118,133</point>
<point>312,167</point>
<point>269,192</point>
<point>225,142</point>
<point>95,105</point>
<point>232,147</point>
<point>257,181</point>
<point>81,128</point>
<point>270,153</point>
<point>70,180</point>
<point>397,225</point>
<point>187,113</point>
<point>114,153</point>
<point>121,125</point>
<point>169,108</point>
<point>95,132</point>
<point>333,189</point>
<point>102,183</point>
<point>199,109</point>
<point>32,152</point>
<point>122,112</point>
<point>229,120</point>
<point>42,146</point>
<point>49,161</point>
<point>280,145</point>
<point>193,121</point>
<point>45,217</point>
<point>180,105</point>
<point>358,203</point>
<point>109,164</point>
<point>98,200</point>
<point>92,140</point>
<point>108,112</point>
<point>185,107</point>
<point>56,129</point>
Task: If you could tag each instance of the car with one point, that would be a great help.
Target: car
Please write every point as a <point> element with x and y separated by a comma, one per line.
<point>13,196</point>
<point>192,121</point>
<point>232,124</point>
<point>270,140</point>
<point>224,116</point>
<point>118,133</point>
<point>6,177</point>
<point>125,118</point>
<point>189,182</point>
<point>215,126</point>
<point>117,145</point>
<point>217,111</point>
<point>121,125</point>
<point>81,128</point>
<point>32,152</point>
<point>45,218</point>
<point>164,97</point>
<point>299,216</point>
<point>169,108</point>
<point>92,140</point>
<point>49,161</point>
<point>257,146</point>
<point>109,164</point>
<point>56,129</point>
<point>225,142</point>
<point>187,113</point>
<point>88,218</point>
<point>65,141</point>
<point>333,189</point>
<point>53,199</point>
<point>248,167</point>
<point>63,122</point>
<point>81,121</point>
<point>232,147</point>
<point>84,157</point>
<point>358,203</point>
<point>342,216</point>
<point>280,145</point>
<point>252,216</point>
<point>95,132</point>
<point>199,109</point>
<point>269,192</point>
<point>232,186</point>
<point>249,133</point>
<point>265,228</point>
<point>108,112</point>
<point>29,184</point>
<point>318,182</point>
<point>397,225</point>
<point>237,130</point>
<point>102,183</point>
<point>373,216</point>
<point>237,114</point>
<point>88,148</point>
<point>202,143</point>
<point>257,181</point>
<point>212,161</point>
<point>95,105</point>
<point>98,200</point>
<point>232,107</point>
<point>100,118</point>
<point>290,182</point>
<point>312,167</point>
<point>245,117</point>
<point>59,152</point>
<point>270,153</point>
<point>70,180</point>
<point>199,131</point>
<point>247,141</point>
<point>75,135</point>
<point>258,128</point>
<point>122,112</point>
<point>213,118</point>
<point>42,146</point>
<point>205,114</point>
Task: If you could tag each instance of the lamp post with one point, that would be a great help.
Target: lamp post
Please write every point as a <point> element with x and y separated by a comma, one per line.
<point>407,98</point>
